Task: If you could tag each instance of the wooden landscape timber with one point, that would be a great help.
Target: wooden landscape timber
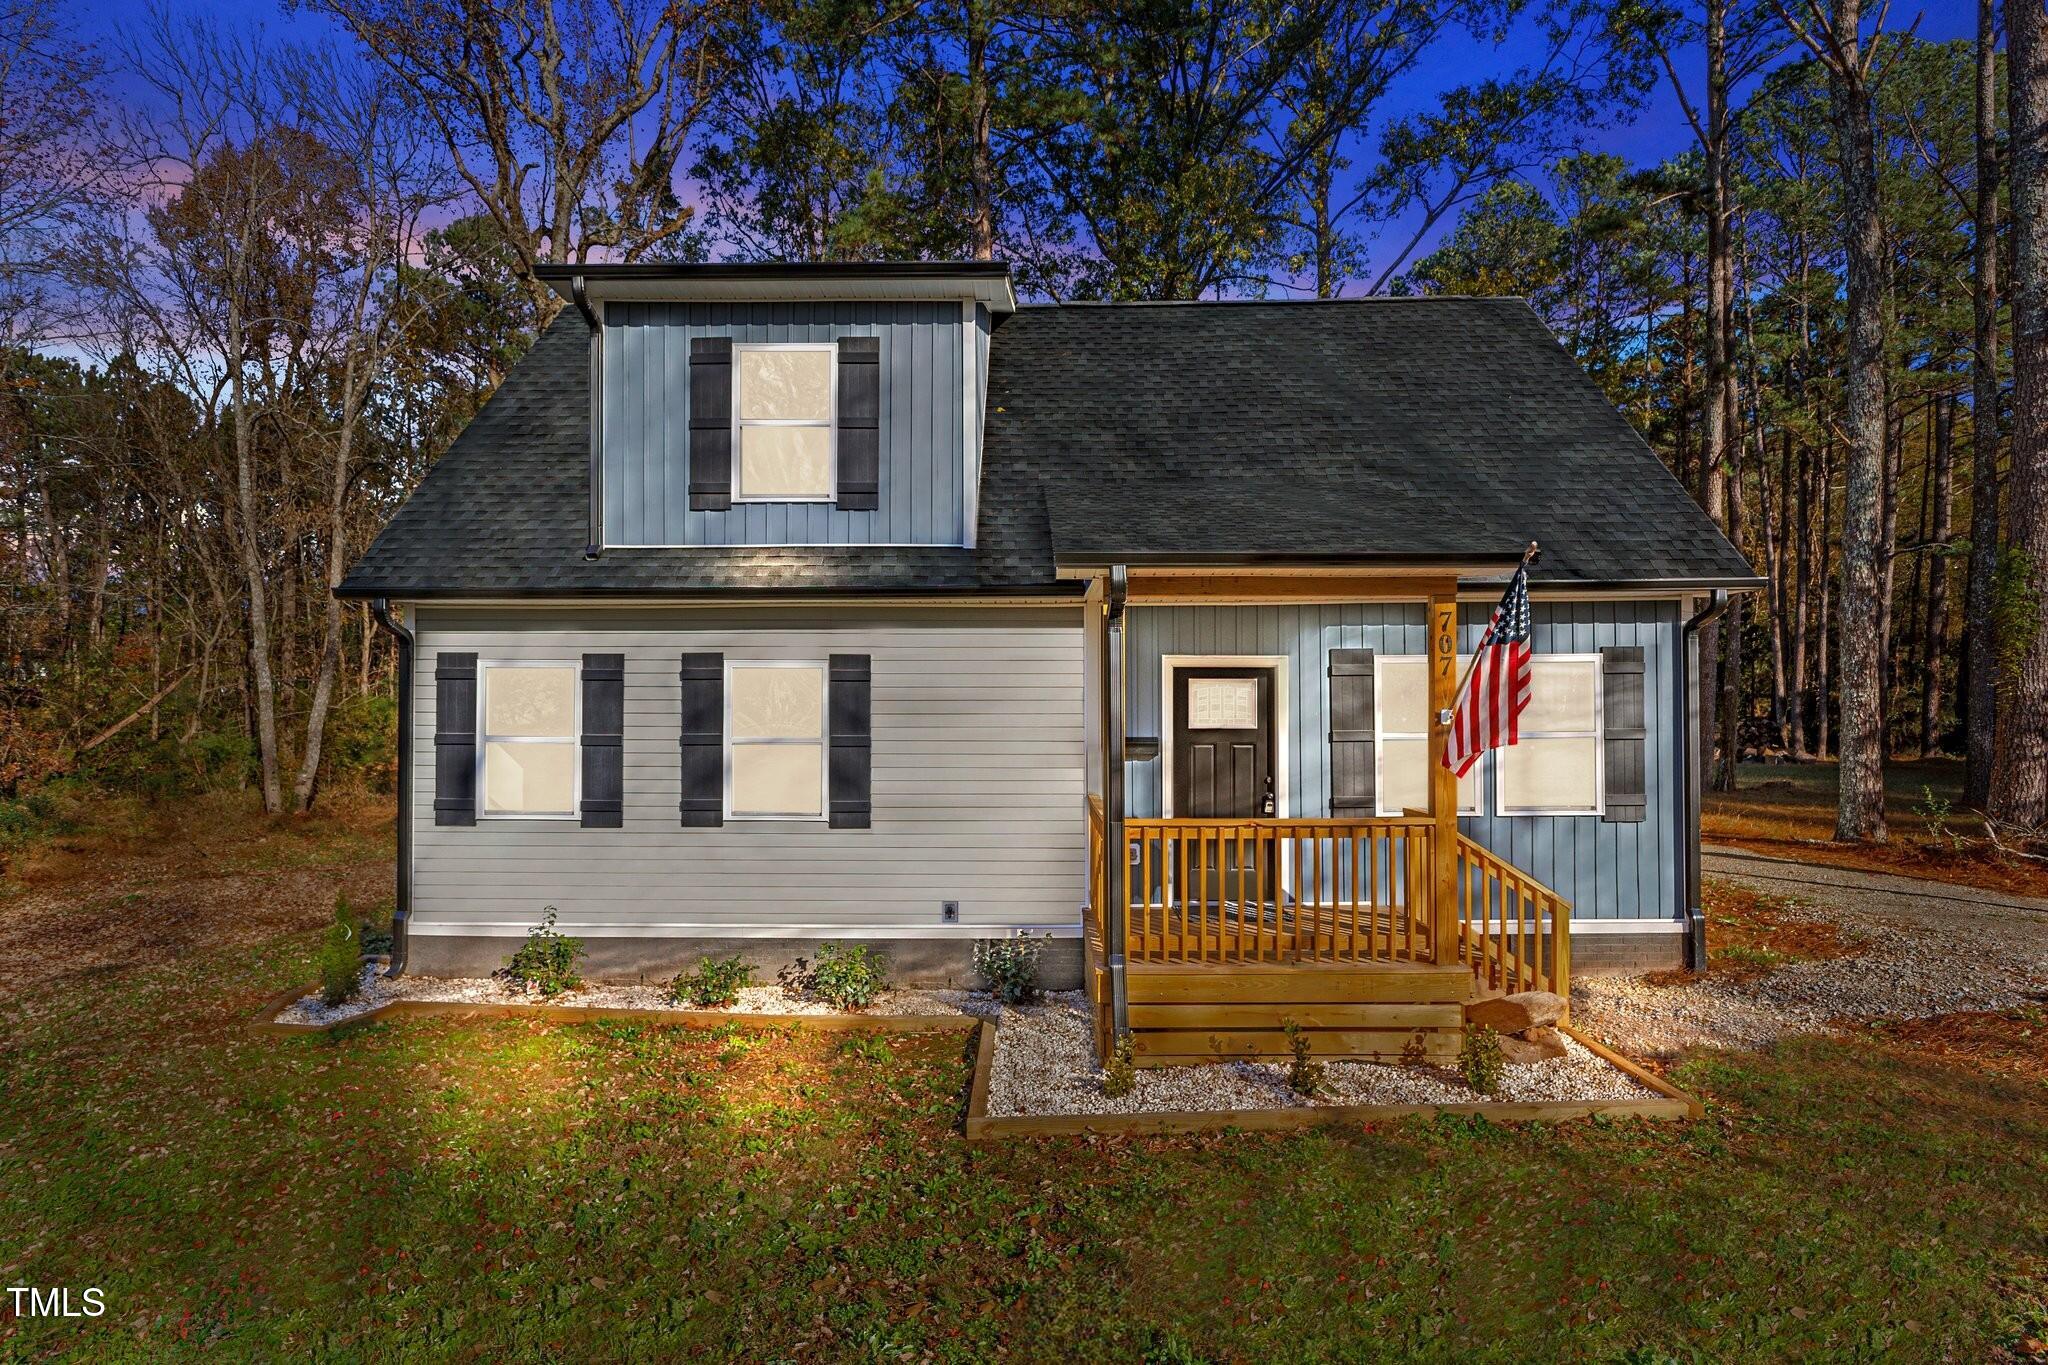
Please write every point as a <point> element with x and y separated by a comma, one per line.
<point>1670,1103</point>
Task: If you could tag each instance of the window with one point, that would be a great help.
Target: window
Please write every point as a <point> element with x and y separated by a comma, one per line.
<point>526,740</point>
<point>775,740</point>
<point>1555,769</point>
<point>782,423</point>
<point>1401,706</point>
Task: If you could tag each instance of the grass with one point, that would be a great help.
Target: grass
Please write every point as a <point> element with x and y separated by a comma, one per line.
<point>1788,810</point>
<point>504,1188</point>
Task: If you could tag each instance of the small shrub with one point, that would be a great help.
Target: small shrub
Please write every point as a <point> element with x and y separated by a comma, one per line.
<point>1937,811</point>
<point>715,982</point>
<point>1304,1075</point>
<point>546,962</point>
<point>847,978</point>
<point>374,938</point>
<point>341,958</point>
<point>1010,966</point>
<point>1120,1072</point>
<point>866,1047</point>
<point>1479,1061</point>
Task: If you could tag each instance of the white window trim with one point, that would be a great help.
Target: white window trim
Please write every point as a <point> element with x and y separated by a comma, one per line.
<point>831,422</point>
<point>484,739</point>
<point>1598,735</point>
<point>823,741</point>
<point>1380,735</point>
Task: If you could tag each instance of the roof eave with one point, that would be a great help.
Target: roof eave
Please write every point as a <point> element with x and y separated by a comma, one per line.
<point>983,282</point>
<point>471,593</point>
<point>1085,562</point>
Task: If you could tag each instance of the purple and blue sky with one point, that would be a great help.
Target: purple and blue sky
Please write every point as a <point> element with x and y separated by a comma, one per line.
<point>1656,132</point>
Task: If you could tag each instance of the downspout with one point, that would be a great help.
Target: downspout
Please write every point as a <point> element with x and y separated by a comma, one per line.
<point>581,295</point>
<point>1116,864</point>
<point>402,909</point>
<point>1695,768</point>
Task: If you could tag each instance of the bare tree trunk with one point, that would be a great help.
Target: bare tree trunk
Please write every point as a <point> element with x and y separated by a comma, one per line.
<point>1823,636</point>
<point>981,166</point>
<point>1981,700</point>
<point>263,685</point>
<point>2019,769</point>
<point>1887,580</point>
<point>330,648</point>
<point>1934,639</point>
<point>1777,517</point>
<point>1795,688</point>
<point>1718,436</point>
<point>1861,644</point>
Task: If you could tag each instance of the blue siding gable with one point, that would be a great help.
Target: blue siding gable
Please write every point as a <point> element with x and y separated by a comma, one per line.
<point>925,433</point>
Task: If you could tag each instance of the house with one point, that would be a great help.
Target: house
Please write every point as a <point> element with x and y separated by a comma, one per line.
<point>767,605</point>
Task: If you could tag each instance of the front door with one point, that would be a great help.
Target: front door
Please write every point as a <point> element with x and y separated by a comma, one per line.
<point>1222,743</point>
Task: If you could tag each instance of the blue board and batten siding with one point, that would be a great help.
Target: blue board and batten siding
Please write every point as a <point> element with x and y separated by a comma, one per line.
<point>1607,871</point>
<point>924,430</point>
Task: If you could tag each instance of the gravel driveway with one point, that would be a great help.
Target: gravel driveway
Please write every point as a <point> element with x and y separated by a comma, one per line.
<point>1929,948</point>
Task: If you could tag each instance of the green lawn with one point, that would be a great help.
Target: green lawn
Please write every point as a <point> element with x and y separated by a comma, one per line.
<point>487,1189</point>
<point>625,1191</point>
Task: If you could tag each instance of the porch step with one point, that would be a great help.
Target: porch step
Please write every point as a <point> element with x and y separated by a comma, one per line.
<point>1388,1011</point>
<point>1297,983</point>
<point>1151,1048</point>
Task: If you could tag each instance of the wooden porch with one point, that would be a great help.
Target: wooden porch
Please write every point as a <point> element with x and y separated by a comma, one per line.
<point>1205,938</point>
<point>1235,928</point>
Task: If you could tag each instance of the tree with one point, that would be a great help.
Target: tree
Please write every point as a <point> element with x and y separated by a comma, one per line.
<point>566,119</point>
<point>385,182</point>
<point>1734,53</point>
<point>1980,642</point>
<point>53,161</point>
<point>1834,37</point>
<point>2019,771</point>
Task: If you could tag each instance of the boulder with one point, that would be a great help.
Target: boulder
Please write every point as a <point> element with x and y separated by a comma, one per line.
<point>1536,1045</point>
<point>1514,1013</point>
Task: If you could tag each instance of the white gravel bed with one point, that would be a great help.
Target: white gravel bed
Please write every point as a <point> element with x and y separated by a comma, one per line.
<point>377,990</point>
<point>1045,1064</point>
<point>1922,954</point>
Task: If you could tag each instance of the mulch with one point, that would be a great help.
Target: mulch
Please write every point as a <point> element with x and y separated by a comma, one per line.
<point>2008,1043</point>
<point>1752,933</point>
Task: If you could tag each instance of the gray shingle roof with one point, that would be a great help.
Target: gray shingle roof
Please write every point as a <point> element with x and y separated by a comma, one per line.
<point>1385,427</point>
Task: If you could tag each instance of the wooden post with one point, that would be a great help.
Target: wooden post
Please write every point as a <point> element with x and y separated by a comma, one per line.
<point>1443,783</point>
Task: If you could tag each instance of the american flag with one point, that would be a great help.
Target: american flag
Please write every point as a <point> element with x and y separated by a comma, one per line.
<point>1497,688</point>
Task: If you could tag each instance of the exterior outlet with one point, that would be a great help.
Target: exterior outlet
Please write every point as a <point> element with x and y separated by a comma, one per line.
<point>949,912</point>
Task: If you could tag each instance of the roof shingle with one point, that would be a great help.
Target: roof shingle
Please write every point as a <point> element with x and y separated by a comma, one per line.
<point>1431,427</point>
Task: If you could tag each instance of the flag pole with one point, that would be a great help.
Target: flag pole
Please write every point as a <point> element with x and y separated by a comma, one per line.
<point>1529,556</point>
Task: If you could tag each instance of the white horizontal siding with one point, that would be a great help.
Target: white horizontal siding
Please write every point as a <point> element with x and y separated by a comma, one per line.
<point>977,784</point>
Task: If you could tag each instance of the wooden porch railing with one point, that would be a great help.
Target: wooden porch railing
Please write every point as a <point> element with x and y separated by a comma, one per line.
<point>1098,872</point>
<point>1513,931</point>
<point>1222,891</point>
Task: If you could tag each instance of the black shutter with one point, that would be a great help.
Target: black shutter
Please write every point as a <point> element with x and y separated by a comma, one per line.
<point>455,739</point>
<point>1623,731</point>
<point>851,729</point>
<point>1352,738</point>
<point>604,728</point>
<point>860,424</point>
<point>703,740</point>
<point>710,424</point>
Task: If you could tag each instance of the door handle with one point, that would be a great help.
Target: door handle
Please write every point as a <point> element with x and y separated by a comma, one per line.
<point>1269,798</point>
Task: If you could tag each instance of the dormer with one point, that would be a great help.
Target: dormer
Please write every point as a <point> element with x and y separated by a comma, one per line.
<point>836,404</point>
